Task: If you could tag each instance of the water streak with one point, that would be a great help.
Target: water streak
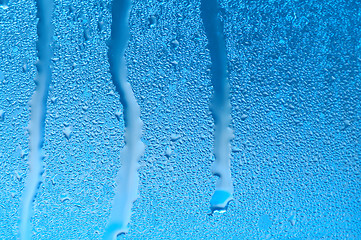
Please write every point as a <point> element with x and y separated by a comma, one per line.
<point>127,179</point>
<point>38,112</point>
<point>221,107</point>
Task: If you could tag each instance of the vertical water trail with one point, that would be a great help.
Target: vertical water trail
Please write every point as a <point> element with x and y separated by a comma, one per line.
<point>127,179</point>
<point>38,112</point>
<point>221,107</point>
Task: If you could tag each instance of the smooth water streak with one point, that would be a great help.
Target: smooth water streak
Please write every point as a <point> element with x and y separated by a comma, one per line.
<point>221,107</point>
<point>127,179</point>
<point>38,112</point>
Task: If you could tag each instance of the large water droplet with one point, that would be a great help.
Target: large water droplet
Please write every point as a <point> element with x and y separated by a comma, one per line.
<point>220,201</point>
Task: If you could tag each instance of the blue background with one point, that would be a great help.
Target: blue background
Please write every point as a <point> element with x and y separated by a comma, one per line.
<point>294,73</point>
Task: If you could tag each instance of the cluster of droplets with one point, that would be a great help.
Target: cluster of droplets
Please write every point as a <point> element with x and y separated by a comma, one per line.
<point>127,180</point>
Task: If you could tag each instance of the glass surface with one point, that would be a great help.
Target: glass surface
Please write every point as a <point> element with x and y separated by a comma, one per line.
<point>286,111</point>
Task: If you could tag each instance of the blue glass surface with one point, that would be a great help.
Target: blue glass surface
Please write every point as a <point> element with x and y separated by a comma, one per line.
<point>250,117</point>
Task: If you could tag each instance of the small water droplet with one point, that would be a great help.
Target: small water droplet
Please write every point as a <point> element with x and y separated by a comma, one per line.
<point>87,34</point>
<point>111,93</point>
<point>118,114</point>
<point>4,4</point>
<point>18,176</point>
<point>168,152</point>
<point>22,153</point>
<point>71,8</point>
<point>67,132</point>
<point>64,198</point>
<point>100,25</point>
<point>2,115</point>
<point>152,21</point>
<point>2,77</point>
<point>174,137</point>
<point>292,219</point>
<point>236,149</point>
<point>53,179</point>
<point>175,43</point>
<point>347,124</point>
<point>13,194</point>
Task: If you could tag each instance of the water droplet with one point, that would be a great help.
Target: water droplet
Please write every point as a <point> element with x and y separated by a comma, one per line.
<point>220,201</point>
<point>71,8</point>
<point>13,194</point>
<point>174,137</point>
<point>118,114</point>
<point>347,123</point>
<point>100,25</point>
<point>67,132</point>
<point>168,152</point>
<point>25,68</point>
<point>53,179</point>
<point>292,219</point>
<point>18,176</point>
<point>64,198</point>
<point>87,34</point>
<point>152,21</point>
<point>236,149</point>
<point>2,77</point>
<point>2,115</point>
<point>22,153</point>
<point>175,43</point>
<point>4,4</point>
